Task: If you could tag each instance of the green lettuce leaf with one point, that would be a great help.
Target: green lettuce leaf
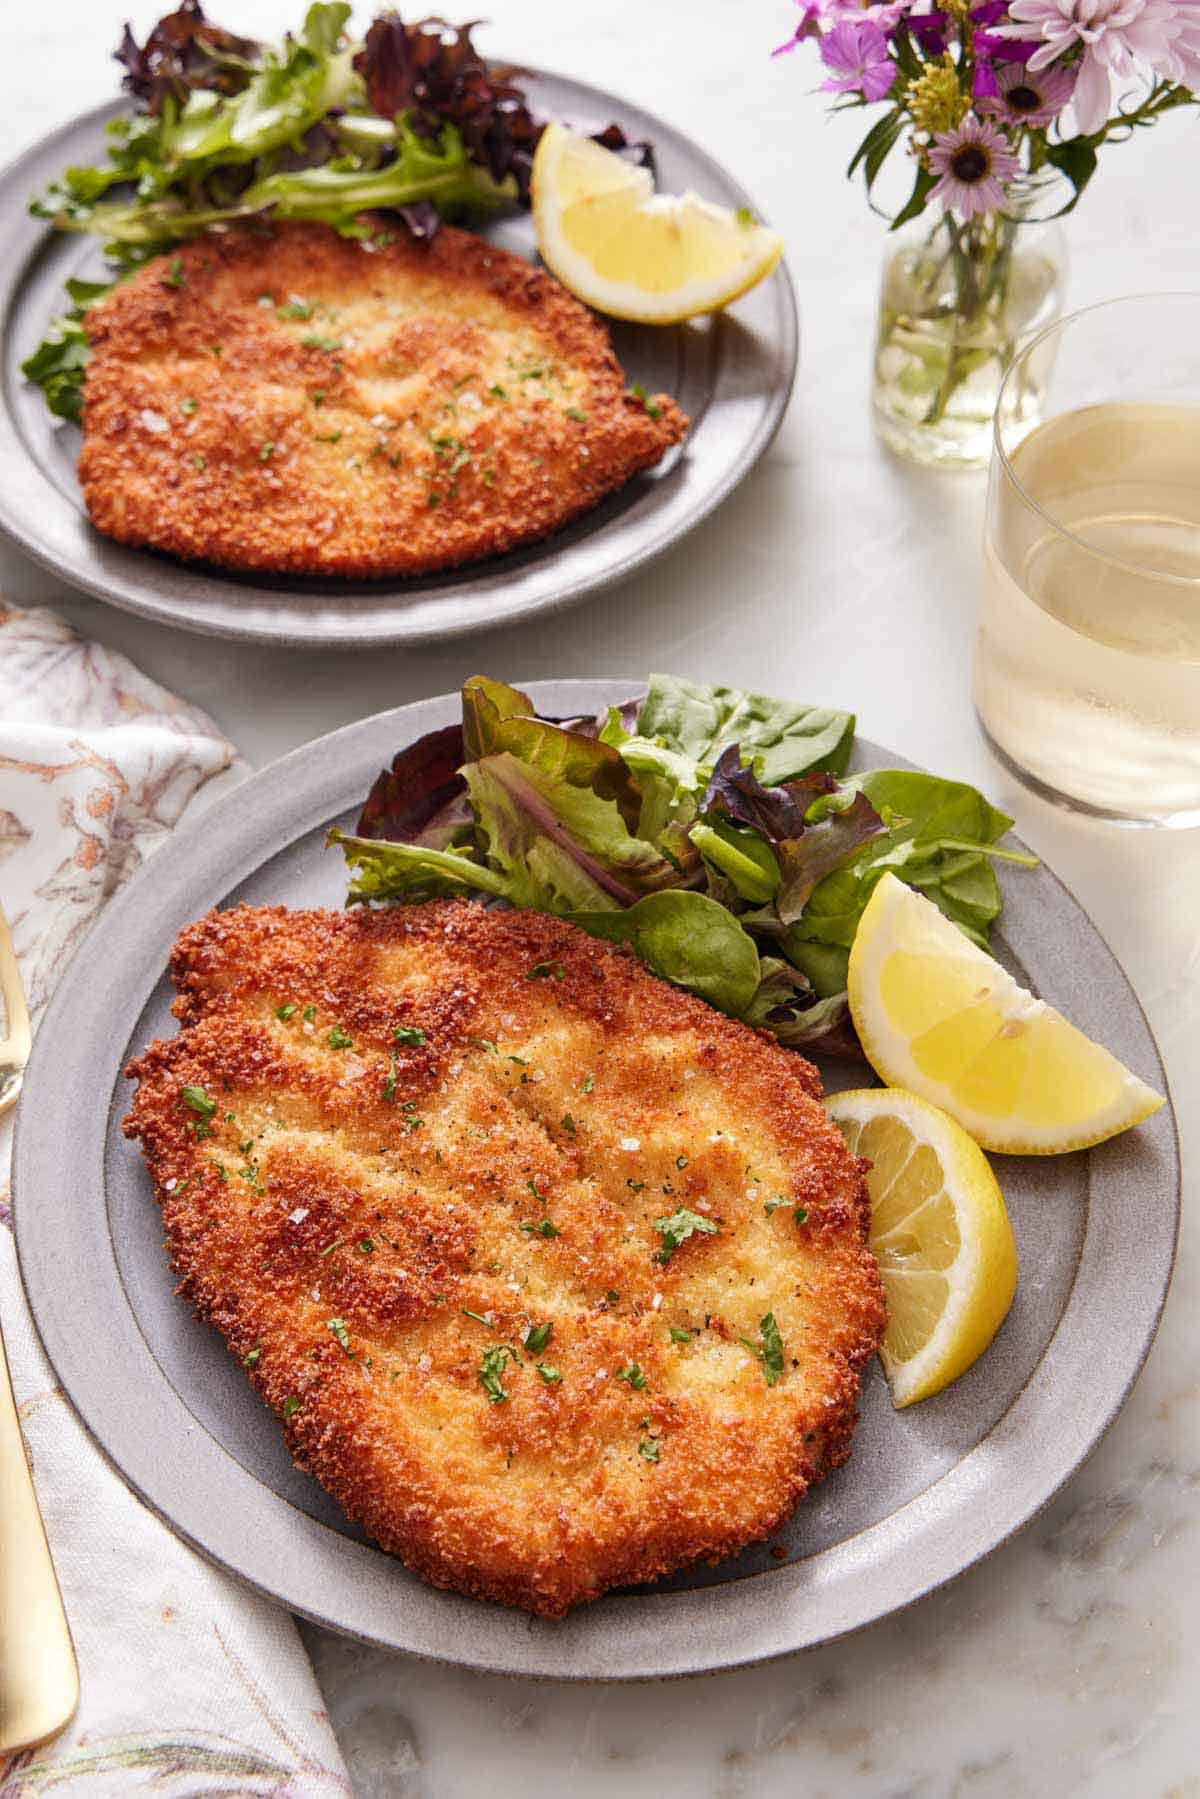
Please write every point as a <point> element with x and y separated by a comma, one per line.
<point>940,838</point>
<point>569,845</point>
<point>689,939</point>
<point>57,365</point>
<point>501,719</point>
<point>434,169</point>
<point>780,738</point>
<point>413,872</point>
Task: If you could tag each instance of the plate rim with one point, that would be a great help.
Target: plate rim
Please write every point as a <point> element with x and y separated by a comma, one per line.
<point>723,1626</point>
<point>133,581</point>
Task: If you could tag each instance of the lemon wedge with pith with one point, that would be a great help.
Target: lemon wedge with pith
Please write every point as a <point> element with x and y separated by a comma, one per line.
<point>631,252</point>
<point>940,1232</point>
<point>937,1015</point>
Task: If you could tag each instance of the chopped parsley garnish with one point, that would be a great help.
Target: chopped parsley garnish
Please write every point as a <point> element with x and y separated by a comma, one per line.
<point>774,1203</point>
<point>491,1369</point>
<point>175,277</point>
<point>197,1099</point>
<point>266,453</point>
<point>318,398</point>
<point>295,308</point>
<point>801,1214</point>
<point>200,462</point>
<point>580,418</point>
<point>389,1086</point>
<point>312,340</point>
<point>327,437</point>
<point>544,1229</point>
<point>285,1012</point>
<point>652,407</point>
<point>366,1246</point>
<point>308,1014</point>
<point>521,1061</point>
<point>290,1406</point>
<point>222,1171</point>
<point>188,406</point>
<point>679,1335</point>
<point>613,1297</point>
<point>410,1115</point>
<point>479,1319</point>
<point>568,1123</point>
<point>500,392</point>
<point>634,1375</point>
<point>340,1039</point>
<point>544,971</point>
<point>648,1449</point>
<point>537,1337</point>
<point>549,1375</point>
<point>678,1228</point>
<point>338,1327</point>
<point>769,1350</point>
<point>532,1186</point>
<point>493,1049</point>
<point>253,1357</point>
<point>330,1247</point>
<point>589,1081</point>
<point>408,1033</point>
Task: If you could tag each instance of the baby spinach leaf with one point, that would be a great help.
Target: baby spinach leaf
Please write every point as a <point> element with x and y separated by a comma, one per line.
<point>689,939</point>
<point>781,738</point>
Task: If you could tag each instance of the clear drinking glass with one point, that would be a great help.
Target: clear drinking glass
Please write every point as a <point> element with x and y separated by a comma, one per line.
<point>1087,661</point>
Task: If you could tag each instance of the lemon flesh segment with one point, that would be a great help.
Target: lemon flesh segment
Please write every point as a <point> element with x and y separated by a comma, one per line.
<point>940,1017</point>
<point>632,253</point>
<point>940,1232</point>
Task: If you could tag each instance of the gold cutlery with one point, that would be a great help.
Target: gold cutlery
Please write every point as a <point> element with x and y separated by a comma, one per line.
<point>39,1678</point>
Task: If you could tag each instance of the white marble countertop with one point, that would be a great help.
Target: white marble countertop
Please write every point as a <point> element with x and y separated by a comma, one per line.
<point>1067,1662</point>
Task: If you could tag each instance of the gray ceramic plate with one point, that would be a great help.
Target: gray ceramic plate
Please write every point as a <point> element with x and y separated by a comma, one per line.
<point>926,1492</point>
<point>732,375</point>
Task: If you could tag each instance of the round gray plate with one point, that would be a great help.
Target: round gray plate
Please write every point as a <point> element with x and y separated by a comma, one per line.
<point>927,1491</point>
<point>731,373</point>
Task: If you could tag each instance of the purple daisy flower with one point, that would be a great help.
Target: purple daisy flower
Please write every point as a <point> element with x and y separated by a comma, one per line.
<point>1028,98</point>
<point>973,161</point>
<point>857,55</point>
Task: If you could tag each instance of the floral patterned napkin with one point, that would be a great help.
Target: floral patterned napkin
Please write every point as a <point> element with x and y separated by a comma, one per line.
<point>191,1685</point>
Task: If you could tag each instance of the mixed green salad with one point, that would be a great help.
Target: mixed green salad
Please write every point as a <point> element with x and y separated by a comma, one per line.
<point>408,121</point>
<point>716,832</point>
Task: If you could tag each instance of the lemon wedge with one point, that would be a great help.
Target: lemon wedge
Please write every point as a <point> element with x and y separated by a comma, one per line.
<point>940,1232</point>
<point>937,1015</point>
<point>632,253</point>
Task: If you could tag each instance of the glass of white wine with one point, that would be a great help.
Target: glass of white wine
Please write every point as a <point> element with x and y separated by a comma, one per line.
<point>1087,662</point>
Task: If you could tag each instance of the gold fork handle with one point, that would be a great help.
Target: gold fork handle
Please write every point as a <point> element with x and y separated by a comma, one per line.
<point>39,1679</point>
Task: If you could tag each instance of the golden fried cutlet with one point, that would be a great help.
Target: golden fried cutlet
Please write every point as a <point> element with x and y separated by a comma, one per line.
<point>290,399</point>
<point>417,1164</point>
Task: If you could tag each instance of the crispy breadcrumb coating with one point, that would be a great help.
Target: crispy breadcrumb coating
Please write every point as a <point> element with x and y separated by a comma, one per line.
<point>416,1165</point>
<point>291,400</point>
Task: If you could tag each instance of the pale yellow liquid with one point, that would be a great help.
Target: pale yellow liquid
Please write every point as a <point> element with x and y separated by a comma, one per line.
<point>1088,660</point>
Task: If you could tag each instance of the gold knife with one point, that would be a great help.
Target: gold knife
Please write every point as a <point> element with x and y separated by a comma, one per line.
<point>39,1677</point>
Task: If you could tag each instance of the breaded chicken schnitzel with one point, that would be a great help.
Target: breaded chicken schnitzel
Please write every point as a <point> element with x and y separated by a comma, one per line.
<point>289,399</point>
<point>557,1278</point>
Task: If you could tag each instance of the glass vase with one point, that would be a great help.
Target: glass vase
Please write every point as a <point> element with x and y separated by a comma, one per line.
<point>957,301</point>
